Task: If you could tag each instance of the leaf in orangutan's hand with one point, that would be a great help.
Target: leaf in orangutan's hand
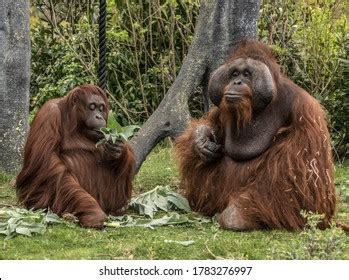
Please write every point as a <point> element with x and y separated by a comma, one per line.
<point>115,132</point>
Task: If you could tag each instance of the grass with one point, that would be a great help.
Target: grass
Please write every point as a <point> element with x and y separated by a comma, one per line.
<point>7,194</point>
<point>210,242</point>
<point>158,169</point>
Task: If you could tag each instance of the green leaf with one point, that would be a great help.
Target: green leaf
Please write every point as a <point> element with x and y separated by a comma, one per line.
<point>166,220</point>
<point>114,138</point>
<point>145,204</point>
<point>184,243</point>
<point>173,219</point>
<point>106,130</point>
<point>101,142</point>
<point>128,131</point>
<point>114,131</point>
<point>161,203</point>
<point>160,198</point>
<point>112,122</point>
<point>179,201</point>
<point>52,218</point>
<point>146,210</point>
<point>19,221</point>
<point>23,231</point>
<point>40,229</point>
<point>113,224</point>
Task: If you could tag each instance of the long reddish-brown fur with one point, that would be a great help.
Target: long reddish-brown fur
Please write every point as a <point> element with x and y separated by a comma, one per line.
<point>64,171</point>
<point>295,173</point>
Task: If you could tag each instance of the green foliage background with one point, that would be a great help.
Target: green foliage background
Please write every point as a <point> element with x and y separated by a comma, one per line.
<point>147,41</point>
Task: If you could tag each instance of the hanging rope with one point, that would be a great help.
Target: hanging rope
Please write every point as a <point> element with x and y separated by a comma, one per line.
<point>102,45</point>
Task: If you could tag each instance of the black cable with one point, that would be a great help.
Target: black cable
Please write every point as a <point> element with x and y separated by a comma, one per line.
<point>102,45</point>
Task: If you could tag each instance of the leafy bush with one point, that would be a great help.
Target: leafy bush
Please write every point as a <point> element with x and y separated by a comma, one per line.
<point>147,42</point>
<point>56,66</point>
<point>309,38</point>
<point>340,109</point>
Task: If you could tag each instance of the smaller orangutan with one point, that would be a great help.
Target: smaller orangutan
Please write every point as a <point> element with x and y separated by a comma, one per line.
<point>64,171</point>
<point>262,154</point>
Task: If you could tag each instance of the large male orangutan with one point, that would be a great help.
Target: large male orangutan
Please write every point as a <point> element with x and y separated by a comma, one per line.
<point>262,154</point>
<point>64,171</point>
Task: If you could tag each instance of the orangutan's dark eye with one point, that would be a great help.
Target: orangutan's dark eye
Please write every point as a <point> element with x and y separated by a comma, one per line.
<point>235,73</point>
<point>247,73</point>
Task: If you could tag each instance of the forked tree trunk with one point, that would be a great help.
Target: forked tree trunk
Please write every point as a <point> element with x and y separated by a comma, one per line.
<point>221,24</point>
<point>14,82</point>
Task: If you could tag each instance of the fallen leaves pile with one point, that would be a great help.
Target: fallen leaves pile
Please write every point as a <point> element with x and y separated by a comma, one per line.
<point>19,221</point>
<point>146,211</point>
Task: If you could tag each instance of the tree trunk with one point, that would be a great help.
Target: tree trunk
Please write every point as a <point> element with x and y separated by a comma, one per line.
<point>14,82</point>
<point>221,24</point>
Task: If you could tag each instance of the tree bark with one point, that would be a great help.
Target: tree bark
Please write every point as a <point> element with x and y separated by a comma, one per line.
<point>221,24</point>
<point>14,82</point>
